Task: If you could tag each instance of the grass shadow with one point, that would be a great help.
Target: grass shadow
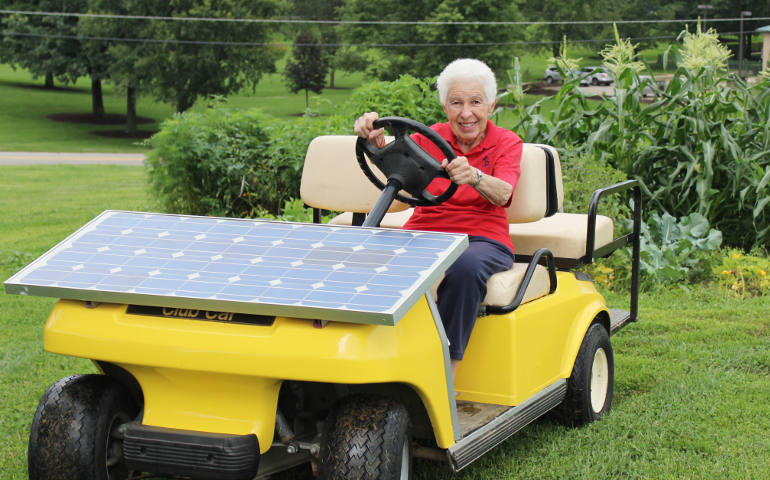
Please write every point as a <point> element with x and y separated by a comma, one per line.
<point>43,88</point>
<point>107,119</point>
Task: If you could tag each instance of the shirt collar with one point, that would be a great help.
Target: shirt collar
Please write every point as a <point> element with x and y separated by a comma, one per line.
<point>490,139</point>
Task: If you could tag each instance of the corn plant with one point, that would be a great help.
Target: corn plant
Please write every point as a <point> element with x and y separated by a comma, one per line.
<point>703,144</point>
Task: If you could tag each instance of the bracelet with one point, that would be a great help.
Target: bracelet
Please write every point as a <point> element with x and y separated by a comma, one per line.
<point>479,176</point>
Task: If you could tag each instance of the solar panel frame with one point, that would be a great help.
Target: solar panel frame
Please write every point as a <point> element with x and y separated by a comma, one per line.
<point>135,262</point>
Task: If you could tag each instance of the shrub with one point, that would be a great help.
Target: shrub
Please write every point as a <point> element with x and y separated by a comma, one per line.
<point>678,250</point>
<point>229,163</point>
<point>287,146</point>
<point>408,96</point>
<point>672,251</point>
<point>583,175</point>
<point>212,163</point>
<point>745,275</point>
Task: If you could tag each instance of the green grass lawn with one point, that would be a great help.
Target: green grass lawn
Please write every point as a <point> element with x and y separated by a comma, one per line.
<point>26,106</point>
<point>692,377</point>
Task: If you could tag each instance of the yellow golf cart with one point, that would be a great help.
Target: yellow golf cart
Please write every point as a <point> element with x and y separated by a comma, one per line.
<point>237,348</point>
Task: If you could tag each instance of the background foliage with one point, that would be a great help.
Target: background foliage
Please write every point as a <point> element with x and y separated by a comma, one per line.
<point>210,163</point>
<point>702,145</point>
<point>233,163</point>
<point>369,44</point>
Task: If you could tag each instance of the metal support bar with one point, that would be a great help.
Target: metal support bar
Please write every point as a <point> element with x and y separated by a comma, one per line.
<point>634,237</point>
<point>383,203</point>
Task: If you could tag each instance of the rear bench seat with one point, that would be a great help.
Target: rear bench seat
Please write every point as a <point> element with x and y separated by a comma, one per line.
<point>332,180</point>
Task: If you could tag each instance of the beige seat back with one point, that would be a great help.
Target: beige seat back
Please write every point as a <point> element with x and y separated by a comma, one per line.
<point>333,180</point>
<point>531,197</point>
<point>557,177</point>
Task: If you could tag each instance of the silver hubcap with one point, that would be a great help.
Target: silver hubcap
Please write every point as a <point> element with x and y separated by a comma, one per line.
<point>600,373</point>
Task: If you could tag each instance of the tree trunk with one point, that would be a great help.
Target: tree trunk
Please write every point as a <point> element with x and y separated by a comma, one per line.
<point>49,81</point>
<point>183,102</point>
<point>331,78</point>
<point>307,99</point>
<point>131,110</point>
<point>97,98</point>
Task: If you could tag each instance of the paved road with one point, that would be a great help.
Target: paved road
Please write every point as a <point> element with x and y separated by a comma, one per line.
<point>46,158</point>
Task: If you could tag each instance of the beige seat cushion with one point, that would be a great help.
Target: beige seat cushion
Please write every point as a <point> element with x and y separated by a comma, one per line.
<point>530,201</point>
<point>564,234</point>
<point>502,286</point>
<point>557,174</point>
<point>391,220</point>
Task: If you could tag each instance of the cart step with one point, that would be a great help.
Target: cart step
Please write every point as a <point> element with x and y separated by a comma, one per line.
<point>618,319</point>
<point>509,421</point>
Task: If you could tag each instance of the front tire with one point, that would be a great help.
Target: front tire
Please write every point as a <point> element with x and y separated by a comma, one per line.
<point>366,437</point>
<point>590,387</point>
<point>73,433</point>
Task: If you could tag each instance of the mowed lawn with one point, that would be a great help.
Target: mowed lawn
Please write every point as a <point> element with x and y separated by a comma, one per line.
<point>26,109</point>
<point>692,391</point>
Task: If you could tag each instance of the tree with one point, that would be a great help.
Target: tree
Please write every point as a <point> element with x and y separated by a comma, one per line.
<point>48,46</point>
<point>178,61</point>
<point>566,12</point>
<point>322,10</point>
<point>307,68</point>
<point>43,44</point>
<point>485,41</point>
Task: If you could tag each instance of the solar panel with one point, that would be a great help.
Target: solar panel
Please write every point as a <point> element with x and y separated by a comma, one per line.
<point>325,272</point>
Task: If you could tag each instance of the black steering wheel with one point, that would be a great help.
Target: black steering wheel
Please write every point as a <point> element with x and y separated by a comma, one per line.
<point>406,162</point>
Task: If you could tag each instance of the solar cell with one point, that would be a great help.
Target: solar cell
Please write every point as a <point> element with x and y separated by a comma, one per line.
<point>325,272</point>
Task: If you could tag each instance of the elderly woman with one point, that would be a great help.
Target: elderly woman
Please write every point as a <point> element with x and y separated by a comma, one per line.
<point>486,171</point>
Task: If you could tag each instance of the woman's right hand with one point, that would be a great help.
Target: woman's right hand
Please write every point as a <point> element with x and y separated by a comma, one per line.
<point>364,128</point>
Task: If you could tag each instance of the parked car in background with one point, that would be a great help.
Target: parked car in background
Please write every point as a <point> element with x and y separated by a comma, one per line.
<point>552,75</point>
<point>647,82</point>
<point>594,76</point>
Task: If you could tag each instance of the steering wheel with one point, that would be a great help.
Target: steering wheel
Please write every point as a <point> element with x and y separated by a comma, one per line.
<point>405,161</point>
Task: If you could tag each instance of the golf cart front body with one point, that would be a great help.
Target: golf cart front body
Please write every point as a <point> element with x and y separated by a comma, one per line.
<point>221,377</point>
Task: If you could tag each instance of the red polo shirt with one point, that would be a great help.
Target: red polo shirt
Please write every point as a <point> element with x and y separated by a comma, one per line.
<point>498,155</point>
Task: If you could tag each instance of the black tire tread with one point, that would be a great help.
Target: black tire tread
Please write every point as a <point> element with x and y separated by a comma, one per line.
<point>576,408</point>
<point>363,439</point>
<point>64,438</point>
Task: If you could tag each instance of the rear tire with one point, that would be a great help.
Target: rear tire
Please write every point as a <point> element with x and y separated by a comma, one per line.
<point>590,387</point>
<point>73,431</point>
<point>367,438</point>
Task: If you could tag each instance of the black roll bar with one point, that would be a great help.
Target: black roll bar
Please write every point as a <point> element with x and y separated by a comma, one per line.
<point>634,237</point>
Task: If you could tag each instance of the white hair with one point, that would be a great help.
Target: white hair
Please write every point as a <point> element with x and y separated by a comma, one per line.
<point>467,69</point>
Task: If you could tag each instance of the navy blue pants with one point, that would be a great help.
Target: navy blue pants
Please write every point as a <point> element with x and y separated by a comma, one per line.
<point>465,286</point>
